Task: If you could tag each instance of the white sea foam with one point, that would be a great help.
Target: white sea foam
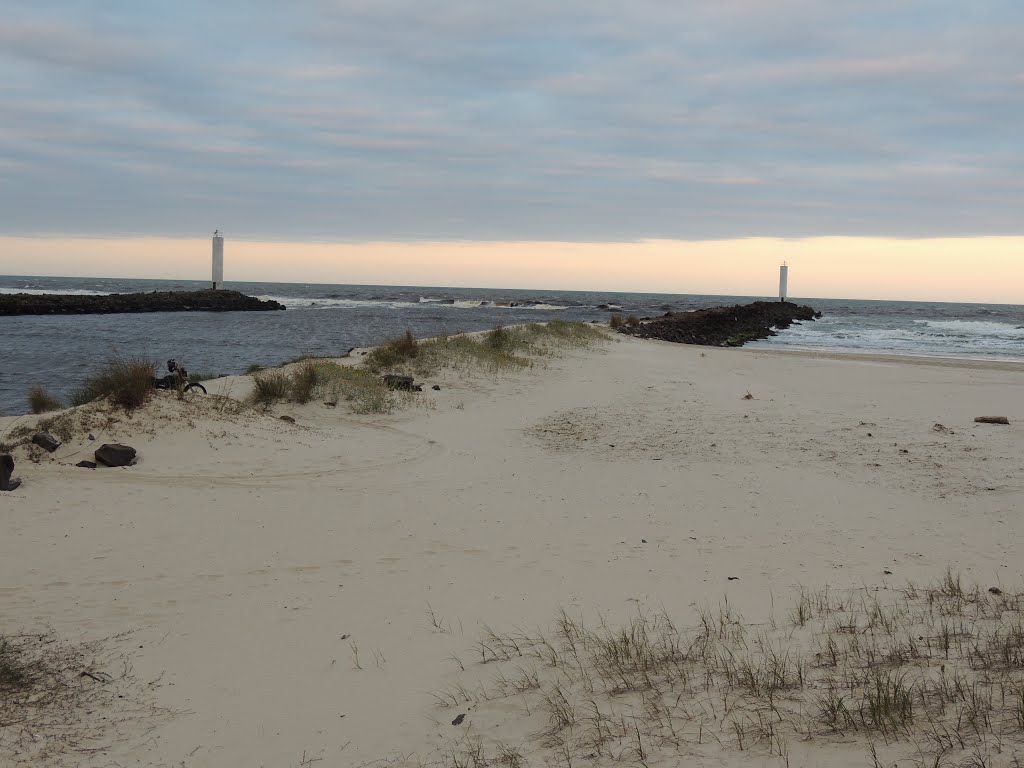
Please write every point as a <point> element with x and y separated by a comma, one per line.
<point>329,303</point>
<point>974,328</point>
<point>53,292</point>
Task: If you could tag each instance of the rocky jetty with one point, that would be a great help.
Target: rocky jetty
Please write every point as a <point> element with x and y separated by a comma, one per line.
<point>723,326</point>
<point>157,301</point>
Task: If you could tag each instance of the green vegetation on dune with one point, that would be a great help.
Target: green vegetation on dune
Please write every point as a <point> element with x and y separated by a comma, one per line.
<point>500,349</point>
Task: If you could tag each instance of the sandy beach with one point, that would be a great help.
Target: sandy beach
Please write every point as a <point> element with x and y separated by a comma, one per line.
<point>339,590</point>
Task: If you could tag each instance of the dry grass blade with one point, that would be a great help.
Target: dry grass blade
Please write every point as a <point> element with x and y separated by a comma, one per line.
<point>58,698</point>
<point>931,675</point>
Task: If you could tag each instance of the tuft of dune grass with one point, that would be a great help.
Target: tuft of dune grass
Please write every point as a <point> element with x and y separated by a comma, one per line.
<point>393,353</point>
<point>41,401</point>
<point>270,386</point>
<point>304,378</point>
<point>125,381</point>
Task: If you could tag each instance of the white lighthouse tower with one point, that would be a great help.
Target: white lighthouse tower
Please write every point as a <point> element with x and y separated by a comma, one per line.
<point>218,260</point>
<point>783,281</point>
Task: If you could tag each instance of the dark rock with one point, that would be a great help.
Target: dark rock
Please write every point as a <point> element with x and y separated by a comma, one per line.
<point>995,590</point>
<point>165,301</point>
<point>289,419</point>
<point>115,455</point>
<point>458,720</point>
<point>46,441</point>
<point>723,326</point>
<point>85,464</point>
<point>991,420</point>
<point>404,383</point>
<point>436,387</point>
<point>92,436</point>
<point>331,403</point>
<point>733,578</point>
<point>7,482</point>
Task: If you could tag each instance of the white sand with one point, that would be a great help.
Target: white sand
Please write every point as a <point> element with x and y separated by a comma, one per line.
<point>242,550</point>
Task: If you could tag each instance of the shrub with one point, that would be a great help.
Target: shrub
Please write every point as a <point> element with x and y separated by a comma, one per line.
<point>41,401</point>
<point>616,321</point>
<point>270,386</point>
<point>125,381</point>
<point>254,368</point>
<point>632,321</point>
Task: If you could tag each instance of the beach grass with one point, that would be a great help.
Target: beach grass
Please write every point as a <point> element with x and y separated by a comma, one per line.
<point>500,349</point>
<point>125,381</point>
<point>393,353</point>
<point>363,391</point>
<point>318,378</point>
<point>270,386</point>
<point>933,675</point>
<point>41,401</point>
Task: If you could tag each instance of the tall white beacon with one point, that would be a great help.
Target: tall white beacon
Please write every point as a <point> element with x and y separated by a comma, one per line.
<point>218,260</point>
<point>783,282</point>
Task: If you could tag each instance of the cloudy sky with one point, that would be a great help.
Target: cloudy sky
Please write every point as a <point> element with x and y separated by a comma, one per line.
<point>580,121</point>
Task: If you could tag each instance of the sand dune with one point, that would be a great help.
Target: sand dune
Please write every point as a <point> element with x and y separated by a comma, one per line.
<point>318,591</point>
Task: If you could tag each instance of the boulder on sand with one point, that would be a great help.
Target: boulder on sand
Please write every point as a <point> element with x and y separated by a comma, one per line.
<point>7,482</point>
<point>115,455</point>
<point>46,441</point>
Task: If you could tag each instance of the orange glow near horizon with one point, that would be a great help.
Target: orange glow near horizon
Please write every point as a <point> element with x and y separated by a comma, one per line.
<point>982,269</point>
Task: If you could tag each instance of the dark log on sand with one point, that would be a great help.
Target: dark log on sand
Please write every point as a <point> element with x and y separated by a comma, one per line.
<point>992,420</point>
<point>157,301</point>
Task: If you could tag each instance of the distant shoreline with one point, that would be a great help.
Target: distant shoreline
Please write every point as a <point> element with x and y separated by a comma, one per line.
<point>133,303</point>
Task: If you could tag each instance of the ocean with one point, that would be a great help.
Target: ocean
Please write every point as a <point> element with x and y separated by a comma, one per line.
<point>59,351</point>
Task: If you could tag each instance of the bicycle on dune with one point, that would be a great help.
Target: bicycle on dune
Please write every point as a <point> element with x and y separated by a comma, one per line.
<point>177,378</point>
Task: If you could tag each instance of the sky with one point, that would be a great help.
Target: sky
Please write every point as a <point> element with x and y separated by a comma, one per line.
<point>578,143</point>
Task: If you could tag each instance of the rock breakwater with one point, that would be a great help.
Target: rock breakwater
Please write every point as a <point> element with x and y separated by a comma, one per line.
<point>723,326</point>
<point>157,301</point>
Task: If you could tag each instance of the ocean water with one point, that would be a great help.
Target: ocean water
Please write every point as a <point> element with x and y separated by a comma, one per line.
<point>58,351</point>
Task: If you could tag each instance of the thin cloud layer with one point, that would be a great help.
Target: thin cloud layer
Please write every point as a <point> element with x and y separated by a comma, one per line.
<point>453,119</point>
